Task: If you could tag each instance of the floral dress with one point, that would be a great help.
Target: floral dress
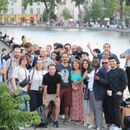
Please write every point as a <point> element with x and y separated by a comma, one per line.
<point>76,111</point>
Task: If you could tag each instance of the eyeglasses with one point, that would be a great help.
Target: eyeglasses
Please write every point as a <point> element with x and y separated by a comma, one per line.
<point>104,63</point>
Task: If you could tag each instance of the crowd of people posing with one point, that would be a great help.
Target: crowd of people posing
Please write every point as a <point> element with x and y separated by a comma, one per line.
<point>81,89</point>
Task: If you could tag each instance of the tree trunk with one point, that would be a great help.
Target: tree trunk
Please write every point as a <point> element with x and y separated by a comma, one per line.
<point>80,14</point>
<point>121,11</point>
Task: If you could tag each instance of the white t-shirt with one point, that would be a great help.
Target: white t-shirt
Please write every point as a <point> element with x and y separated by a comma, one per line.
<point>37,79</point>
<point>20,73</point>
<point>11,64</point>
<point>91,80</point>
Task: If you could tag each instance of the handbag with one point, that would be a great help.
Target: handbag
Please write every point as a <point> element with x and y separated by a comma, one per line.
<point>127,122</point>
<point>125,116</point>
<point>24,83</point>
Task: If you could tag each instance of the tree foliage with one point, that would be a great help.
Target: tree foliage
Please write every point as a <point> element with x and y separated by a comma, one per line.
<point>66,14</point>
<point>26,2</point>
<point>52,15</point>
<point>49,6</point>
<point>96,11</point>
<point>3,5</point>
<point>110,7</point>
<point>11,116</point>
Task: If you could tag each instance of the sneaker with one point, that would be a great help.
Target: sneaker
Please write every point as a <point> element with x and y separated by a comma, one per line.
<point>65,122</point>
<point>117,128</point>
<point>63,117</point>
<point>56,124</point>
<point>112,127</point>
<point>42,125</point>
<point>92,126</point>
<point>99,128</point>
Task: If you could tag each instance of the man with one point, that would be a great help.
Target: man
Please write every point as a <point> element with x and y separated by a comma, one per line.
<point>67,48</point>
<point>97,83</point>
<point>66,92</point>
<point>117,81</point>
<point>47,61</point>
<point>84,56</point>
<point>11,64</point>
<point>48,50</point>
<point>107,100</point>
<point>51,83</point>
<point>126,55</point>
<point>106,47</point>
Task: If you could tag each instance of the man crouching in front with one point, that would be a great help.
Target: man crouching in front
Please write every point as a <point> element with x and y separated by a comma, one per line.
<point>52,83</point>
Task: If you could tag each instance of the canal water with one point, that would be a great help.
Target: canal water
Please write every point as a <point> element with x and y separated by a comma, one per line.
<point>119,41</point>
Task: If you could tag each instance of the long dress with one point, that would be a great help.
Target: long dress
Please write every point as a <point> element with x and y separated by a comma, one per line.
<point>76,111</point>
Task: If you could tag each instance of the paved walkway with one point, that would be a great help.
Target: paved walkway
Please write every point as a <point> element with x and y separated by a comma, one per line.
<point>70,126</point>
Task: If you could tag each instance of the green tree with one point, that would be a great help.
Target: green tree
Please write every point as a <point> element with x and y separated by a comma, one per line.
<point>26,2</point>
<point>110,7</point>
<point>52,15</point>
<point>49,6</point>
<point>127,15</point>
<point>3,6</point>
<point>66,14</point>
<point>78,3</point>
<point>96,11</point>
<point>11,116</point>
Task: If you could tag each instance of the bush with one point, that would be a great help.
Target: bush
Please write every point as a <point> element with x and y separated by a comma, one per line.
<point>11,116</point>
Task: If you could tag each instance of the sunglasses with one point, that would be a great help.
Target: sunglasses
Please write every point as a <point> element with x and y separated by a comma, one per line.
<point>104,62</point>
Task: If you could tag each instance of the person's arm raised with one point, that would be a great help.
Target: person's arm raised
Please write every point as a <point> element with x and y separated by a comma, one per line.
<point>90,49</point>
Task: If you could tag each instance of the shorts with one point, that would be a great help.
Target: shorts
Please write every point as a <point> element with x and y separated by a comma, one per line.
<point>51,97</point>
<point>66,94</point>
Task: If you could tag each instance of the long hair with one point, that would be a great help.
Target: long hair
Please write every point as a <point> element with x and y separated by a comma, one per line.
<point>76,60</point>
<point>89,66</point>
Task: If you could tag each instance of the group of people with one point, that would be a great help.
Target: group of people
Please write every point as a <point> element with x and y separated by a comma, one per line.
<point>81,89</point>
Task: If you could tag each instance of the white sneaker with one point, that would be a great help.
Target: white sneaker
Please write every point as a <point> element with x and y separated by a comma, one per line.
<point>91,126</point>
<point>117,128</point>
<point>99,128</point>
<point>63,117</point>
<point>112,127</point>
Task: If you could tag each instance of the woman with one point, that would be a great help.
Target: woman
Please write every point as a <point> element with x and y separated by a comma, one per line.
<point>77,93</point>
<point>20,76</point>
<point>88,115</point>
<point>36,77</point>
<point>53,56</point>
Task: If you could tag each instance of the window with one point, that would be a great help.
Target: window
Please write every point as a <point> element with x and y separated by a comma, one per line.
<point>31,11</point>
<point>38,10</point>
<point>23,11</point>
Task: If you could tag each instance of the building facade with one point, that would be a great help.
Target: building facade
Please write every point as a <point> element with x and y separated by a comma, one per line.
<point>17,14</point>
